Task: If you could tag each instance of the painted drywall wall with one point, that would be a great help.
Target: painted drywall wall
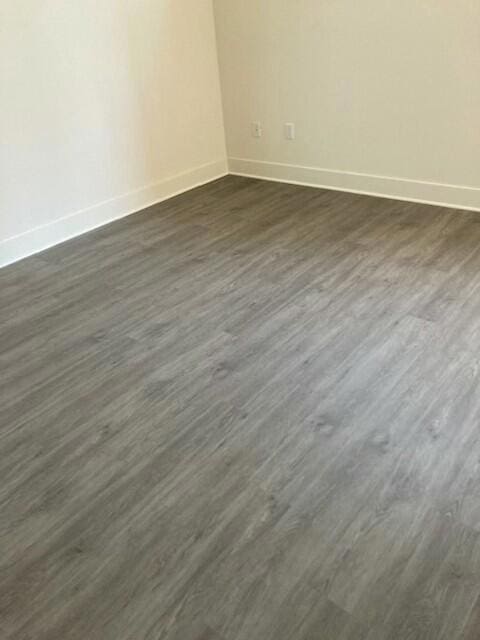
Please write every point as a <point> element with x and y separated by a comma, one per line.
<point>385,95</point>
<point>105,107</point>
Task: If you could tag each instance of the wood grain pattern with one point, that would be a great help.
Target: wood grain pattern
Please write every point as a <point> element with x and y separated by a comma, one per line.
<point>251,412</point>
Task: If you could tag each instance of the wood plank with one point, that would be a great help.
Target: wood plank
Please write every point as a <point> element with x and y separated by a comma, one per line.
<point>248,412</point>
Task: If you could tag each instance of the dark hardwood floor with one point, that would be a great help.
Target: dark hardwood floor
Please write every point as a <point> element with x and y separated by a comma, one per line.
<point>249,413</point>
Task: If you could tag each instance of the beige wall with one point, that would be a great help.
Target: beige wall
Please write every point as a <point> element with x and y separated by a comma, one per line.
<point>109,105</point>
<point>103,103</point>
<point>378,87</point>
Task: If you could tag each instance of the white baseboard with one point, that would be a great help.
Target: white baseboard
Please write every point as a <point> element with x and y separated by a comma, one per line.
<point>74,224</point>
<point>445,195</point>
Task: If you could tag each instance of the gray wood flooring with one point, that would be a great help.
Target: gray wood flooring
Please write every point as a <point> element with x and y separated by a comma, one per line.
<point>249,413</point>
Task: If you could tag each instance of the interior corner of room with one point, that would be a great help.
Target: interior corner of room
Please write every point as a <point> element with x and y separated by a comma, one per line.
<point>239,319</point>
<point>109,107</point>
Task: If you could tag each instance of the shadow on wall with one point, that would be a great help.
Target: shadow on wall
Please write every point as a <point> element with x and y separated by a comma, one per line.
<point>95,101</point>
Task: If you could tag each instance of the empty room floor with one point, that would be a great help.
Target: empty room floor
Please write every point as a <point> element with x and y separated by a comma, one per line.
<point>249,413</point>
